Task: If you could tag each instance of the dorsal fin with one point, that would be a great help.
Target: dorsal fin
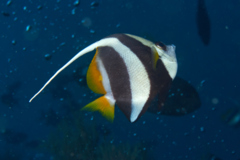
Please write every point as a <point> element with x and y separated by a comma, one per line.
<point>79,54</point>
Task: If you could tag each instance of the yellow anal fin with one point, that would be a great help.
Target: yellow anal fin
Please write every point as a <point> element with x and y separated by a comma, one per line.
<point>94,78</point>
<point>103,106</point>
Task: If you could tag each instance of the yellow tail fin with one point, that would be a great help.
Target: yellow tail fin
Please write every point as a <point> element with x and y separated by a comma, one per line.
<point>102,105</point>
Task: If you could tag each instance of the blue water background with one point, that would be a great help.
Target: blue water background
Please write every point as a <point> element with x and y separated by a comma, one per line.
<point>57,31</point>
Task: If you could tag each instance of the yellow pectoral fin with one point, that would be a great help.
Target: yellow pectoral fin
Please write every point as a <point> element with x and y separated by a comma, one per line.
<point>155,57</point>
<point>102,105</point>
<point>94,78</point>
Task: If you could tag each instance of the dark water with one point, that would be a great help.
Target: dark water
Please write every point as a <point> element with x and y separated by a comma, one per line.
<point>49,127</point>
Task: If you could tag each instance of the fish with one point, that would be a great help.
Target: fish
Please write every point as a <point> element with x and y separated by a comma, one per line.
<point>203,22</point>
<point>182,99</point>
<point>128,71</point>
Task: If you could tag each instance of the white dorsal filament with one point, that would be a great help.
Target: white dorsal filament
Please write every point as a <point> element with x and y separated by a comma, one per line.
<point>79,54</point>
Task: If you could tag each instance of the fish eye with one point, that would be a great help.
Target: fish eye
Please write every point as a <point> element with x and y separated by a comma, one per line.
<point>161,45</point>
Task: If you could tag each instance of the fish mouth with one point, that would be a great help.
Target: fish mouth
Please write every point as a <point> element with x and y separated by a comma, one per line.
<point>168,54</point>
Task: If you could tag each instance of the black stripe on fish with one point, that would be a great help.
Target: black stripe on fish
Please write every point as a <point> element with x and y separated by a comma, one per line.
<point>118,77</point>
<point>159,78</point>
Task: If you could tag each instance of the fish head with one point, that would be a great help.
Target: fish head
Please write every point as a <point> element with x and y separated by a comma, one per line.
<point>168,56</point>
<point>167,51</point>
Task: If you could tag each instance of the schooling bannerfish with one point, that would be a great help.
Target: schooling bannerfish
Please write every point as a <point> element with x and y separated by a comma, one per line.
<point>130,71</point>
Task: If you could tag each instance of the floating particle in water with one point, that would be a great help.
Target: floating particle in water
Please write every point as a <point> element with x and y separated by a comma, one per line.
<point>87,22</point>
<point>73,11</point>
<point>14,42</point>
<point>28,28</point>
<point>62,44</point>
<point>31,32</point>
<point>9,2</point>
<point>25,8</point>
<point>202,129</point>
<point>92,31</point>
<point>76,3</point>
<point>48,56</point>
<point>94,4</point>
<point>186,134</point>
<point>5,14</point>
<point>39,7</point>
<point>215,101</point>
<point>202,82</point>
